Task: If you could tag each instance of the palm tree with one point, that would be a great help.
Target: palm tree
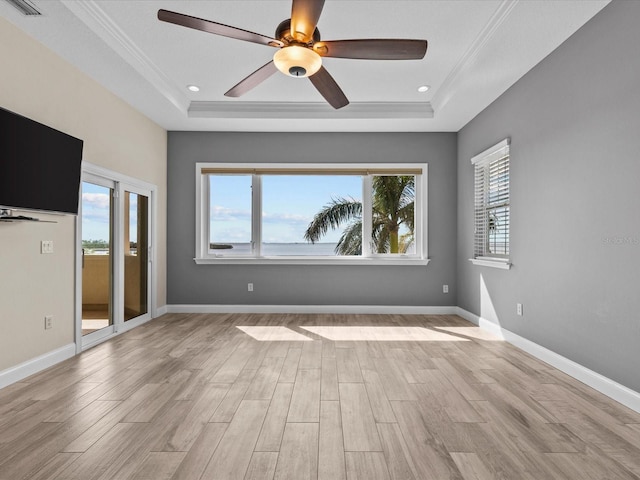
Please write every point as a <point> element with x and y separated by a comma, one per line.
<point>393,206</point>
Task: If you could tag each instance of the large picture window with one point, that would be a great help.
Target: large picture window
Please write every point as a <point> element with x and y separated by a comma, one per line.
<point>291,213</point>
<point>492,214</point>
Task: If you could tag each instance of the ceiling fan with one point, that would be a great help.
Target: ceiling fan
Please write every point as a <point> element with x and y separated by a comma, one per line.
<point>300,49</point>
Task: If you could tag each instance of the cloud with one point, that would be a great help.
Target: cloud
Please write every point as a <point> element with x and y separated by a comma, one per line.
<point>95,200</point>
<point>286,218</point>
<point>217,212</point>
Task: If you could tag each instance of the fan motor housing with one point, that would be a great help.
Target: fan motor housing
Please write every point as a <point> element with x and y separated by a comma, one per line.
<point>283,33</point>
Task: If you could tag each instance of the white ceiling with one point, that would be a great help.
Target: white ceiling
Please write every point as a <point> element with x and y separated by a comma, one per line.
<point>477,50</point>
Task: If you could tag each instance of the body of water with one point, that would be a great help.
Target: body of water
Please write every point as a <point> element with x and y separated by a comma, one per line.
<point>280,249</point>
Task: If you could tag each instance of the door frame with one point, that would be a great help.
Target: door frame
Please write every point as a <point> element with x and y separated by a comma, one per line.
<point>120,183</point>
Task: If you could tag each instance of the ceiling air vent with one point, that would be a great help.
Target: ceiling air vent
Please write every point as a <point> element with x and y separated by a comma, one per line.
<point>25,6</point>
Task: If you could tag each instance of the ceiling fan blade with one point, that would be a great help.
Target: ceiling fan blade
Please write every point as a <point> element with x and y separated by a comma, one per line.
<point>373,49</point>
<point>216,28</point>
<point>329,89</point>
<point>256,78</point>
<point>304,18</point>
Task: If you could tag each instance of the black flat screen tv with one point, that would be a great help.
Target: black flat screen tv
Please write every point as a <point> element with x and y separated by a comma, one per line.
<point>40,167</point>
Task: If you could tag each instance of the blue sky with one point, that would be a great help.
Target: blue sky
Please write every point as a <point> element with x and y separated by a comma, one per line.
<point>95,213</point>
<point>289,203</point>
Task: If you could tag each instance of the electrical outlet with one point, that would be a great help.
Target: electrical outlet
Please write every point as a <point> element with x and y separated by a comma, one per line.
<point>249,287</point>
<point>445,288</point>
<point>48,322</point>
<point>46,246</point>
<point>519,309</point>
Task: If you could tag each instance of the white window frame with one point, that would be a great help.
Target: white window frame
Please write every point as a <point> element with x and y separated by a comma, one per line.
<point>203,257</point>
<point>483,160</point>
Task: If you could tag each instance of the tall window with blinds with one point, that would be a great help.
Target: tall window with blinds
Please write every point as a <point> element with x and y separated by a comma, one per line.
<point>492,204</point>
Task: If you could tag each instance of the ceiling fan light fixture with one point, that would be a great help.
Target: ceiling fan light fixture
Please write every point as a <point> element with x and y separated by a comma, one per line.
<point>297,61</point>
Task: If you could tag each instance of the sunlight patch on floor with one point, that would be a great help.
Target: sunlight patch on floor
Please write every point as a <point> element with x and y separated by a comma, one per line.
<point>383,334</point>
<point>472,332</point>
<point>274,334</point>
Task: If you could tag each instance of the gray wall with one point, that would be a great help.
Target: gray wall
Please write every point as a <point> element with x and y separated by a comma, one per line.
<point>189,283</point>
<point>574,123</point>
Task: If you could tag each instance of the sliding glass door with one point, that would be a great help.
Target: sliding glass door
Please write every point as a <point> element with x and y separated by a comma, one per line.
<point>115,244</point>
<point>136,255</point>
<point>97,219</point>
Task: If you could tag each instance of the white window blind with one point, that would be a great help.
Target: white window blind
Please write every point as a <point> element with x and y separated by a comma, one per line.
<point>492,209</point>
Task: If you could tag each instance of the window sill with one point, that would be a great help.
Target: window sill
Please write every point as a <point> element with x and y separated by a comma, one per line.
<point>311,261</point>
<point>502,263</point>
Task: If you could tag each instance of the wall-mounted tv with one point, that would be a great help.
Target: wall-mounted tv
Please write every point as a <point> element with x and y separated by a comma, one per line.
<point>40,167</point>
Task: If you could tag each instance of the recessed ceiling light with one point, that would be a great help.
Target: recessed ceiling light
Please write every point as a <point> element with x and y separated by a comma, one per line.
<point>423,88</point>
<point>193,88</point>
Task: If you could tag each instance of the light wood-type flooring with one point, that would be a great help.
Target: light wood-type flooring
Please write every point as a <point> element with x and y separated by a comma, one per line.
<point>300,397</point>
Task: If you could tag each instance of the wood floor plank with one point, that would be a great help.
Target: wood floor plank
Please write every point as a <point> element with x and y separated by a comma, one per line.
<point>441,391</point>
<point>146,410</point>
<point>588,467</point>
<point>471,466</point>
<point>227,407</point>
<point>331,464</point>
<point>231,368</point>
<point>329,386</point>
<point>27,459</point>
<point>395,385</point>
<point>109,453</point>
<point>262,466</point>
<point>311,356</point>
<point>273,427</point>
<point>97,430</point>
<point>396,453</point>
<point>348,366</point>
<point>194,422</point>
<point>457,380</point>
<point>12,426</point>
<point>366,466</point>
<point>233,455</point>
<point>158,466</point>
<point>265,380</point>
<point>430,457</point>
<point>358,423</point>
<point>305,401</point>
<point>532,433</point>
<point>290,367</point>
<point>68,409</point>
<point>382,411</point>
<point>198,456</point>
<point>167,423</point>
<point>298,457</point>
<point>278,349</point>
<point>52,469</point>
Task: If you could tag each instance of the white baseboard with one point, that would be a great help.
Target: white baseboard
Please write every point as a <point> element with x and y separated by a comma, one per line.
<point>34,365</point>
<point>608,387</point>
<point>161,311</point>
<point>336,309</point>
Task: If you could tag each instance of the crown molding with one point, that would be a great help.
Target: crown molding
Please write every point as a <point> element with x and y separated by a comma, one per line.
<point>97,20</point>
<point>468,59</point>
<point>310,110</point>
